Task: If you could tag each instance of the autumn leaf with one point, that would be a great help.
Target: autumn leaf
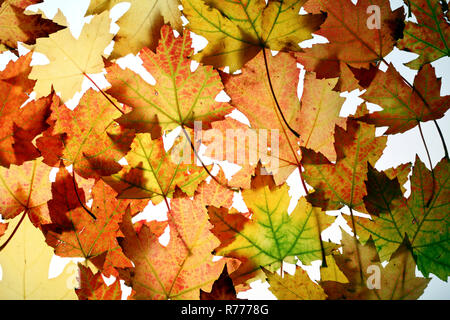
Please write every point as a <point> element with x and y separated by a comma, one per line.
<point>342,183</point>
<point>369,280</point>
<point>358,35</point>
<point>331,271</point>
<point>236,31</point>
<point>28,123</point>
<point>3,227</point>
<point>96,240</point>
<point>235,142</point>
<point>19,126</point>
<point>179,97</point>
<point>381,191</point>
<point>403,106</point>
<point>215,193</point>
<point>222,289</point>
<point>294,287</point>
<point>25,188</point>
<point>59,18</point>
<point>400,172</point>
<point>93,287</point>
<point>272,235</point>
<point>71,59</point>
<point>319,114</point>
<point>65,197</point>
<point>429,37</point>
<point>154,173</point>
<point>19,27</point>
<point>263,113</point>
<point>183,267</point>
<point>425,226</point>
<point>25,263</point>
<point>93,145</point>
<point>140,25</point>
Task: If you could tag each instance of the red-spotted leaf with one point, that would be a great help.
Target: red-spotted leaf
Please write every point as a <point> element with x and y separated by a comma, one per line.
<point>96,240</point>
<point>183,267</point>
<point>358,34</point>
<point>403,106</point>
<point>179,97</point>
<point>93,287</point>
<point>25,188</point>
<point>92,144</point>
<point>342,183</point>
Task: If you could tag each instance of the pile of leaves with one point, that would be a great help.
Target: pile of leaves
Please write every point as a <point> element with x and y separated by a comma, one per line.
<point>112,159</point>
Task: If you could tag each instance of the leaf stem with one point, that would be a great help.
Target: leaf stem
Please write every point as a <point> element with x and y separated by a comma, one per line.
<point>431,164</point>
<point>104,94</point>
<point>266,63</point>
<point>78,197</point>
<point>15,230</point>
<point>297,135</point>
<point>302,179</point>
<point>442,139</point>
<point>428,106</point>
<point>358,254</point>
<point>203,165</point>
<point>319,231</point>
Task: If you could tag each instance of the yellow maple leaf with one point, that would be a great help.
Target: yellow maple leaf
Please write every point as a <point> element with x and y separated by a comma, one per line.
<point>71,58</point>
<point>332,272</point>
<point>25,264</point>
<point>140,25</point>
<point>294,287</point>
<point>237,30</point>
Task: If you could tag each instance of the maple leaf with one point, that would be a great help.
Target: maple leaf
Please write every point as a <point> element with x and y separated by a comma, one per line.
<point>319,114</point>
<point>342,183</point>
<point>71,59</point>
<point>263,113</point>
<point>222,289</point>
<point>429,37</point>
<point>21,27</point>
<point>183,267</point>
<point>93,287</point>
<point>272,235</point>
<point>400,172</point>
<point>3,227</point>
<point>154,173</point>
<point>25,188</point>
<point>236,31</point>
<point>215,193</point>
<point>28,122</point>
<point>381,191</point>
<point>140,25</point>
<point>96,240</point>
<point>179,97</point>
<point>20,125</point>
<point>403,106</point>
<point>93,145</point>
<point>25,263</point>
<point>235,142</point>
<point>425,226</point>
<point>332,272</point>
<point>64,198</point>
<point>355,36</point>
<point>294,287</point>
<point>361,263</point>
<point>59,17</point>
